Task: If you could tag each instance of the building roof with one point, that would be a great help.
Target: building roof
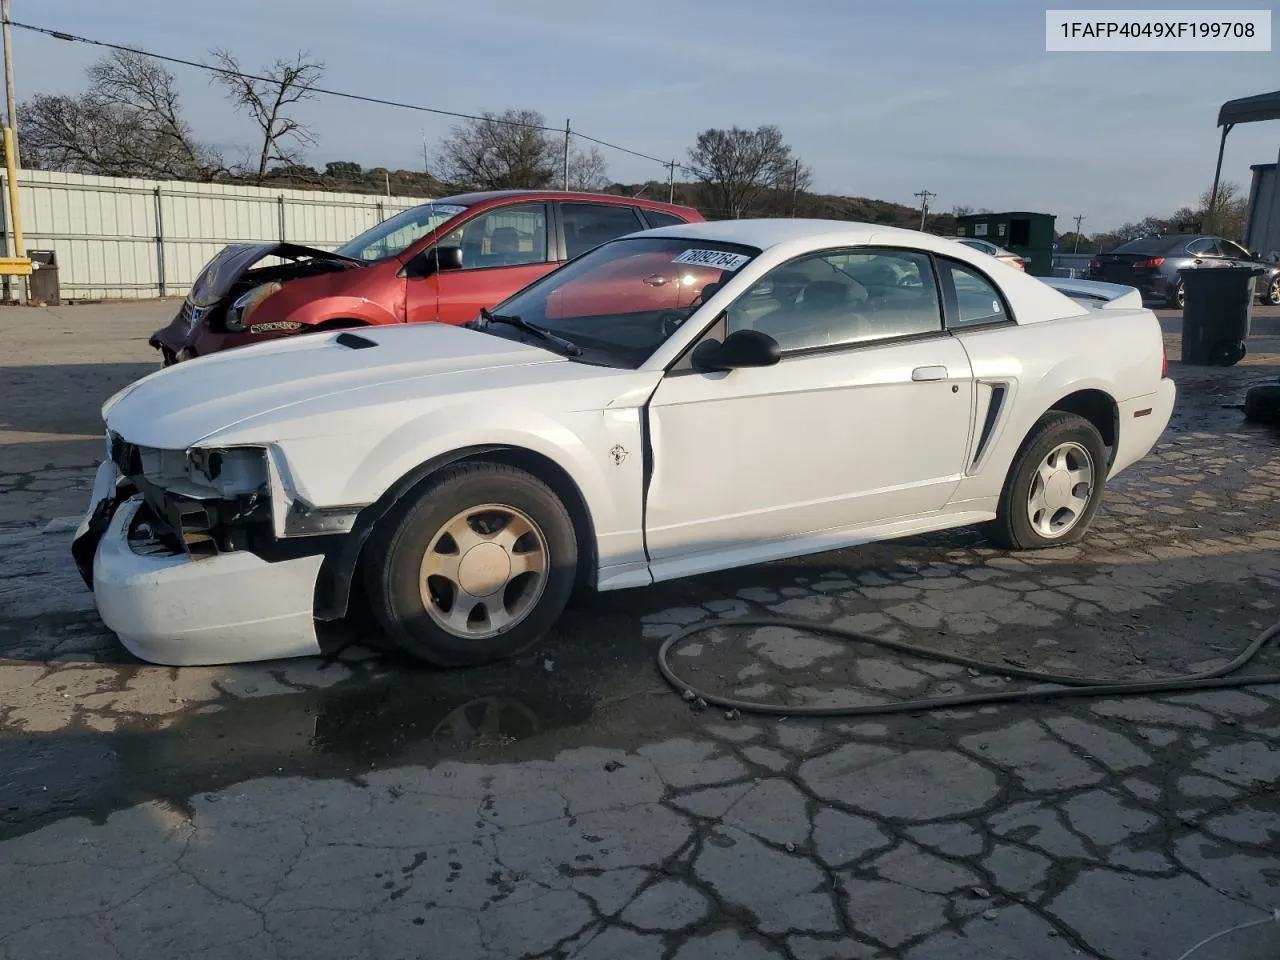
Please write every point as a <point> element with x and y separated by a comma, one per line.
<point>1262,106</point>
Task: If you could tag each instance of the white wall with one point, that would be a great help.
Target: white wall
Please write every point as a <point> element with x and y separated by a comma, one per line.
<point>114,236</point>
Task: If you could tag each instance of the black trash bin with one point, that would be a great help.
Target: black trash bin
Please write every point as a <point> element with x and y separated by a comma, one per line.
<point>45,288</point>
<point>1217,314</point>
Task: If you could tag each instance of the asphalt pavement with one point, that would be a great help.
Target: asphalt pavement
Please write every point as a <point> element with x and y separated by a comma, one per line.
<point>570,804</point>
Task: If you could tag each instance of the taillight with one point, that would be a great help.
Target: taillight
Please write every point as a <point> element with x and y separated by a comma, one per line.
<point>1150,264</point>
<point>1164,365</point>
<point>1094,264</point>
<point>1021,265</point>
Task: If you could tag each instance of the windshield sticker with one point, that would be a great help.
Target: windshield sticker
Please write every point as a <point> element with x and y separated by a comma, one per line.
<point>712,258</point>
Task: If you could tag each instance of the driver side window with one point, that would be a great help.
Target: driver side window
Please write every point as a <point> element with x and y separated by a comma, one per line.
<point>841,298</point>
<point>506,237</point>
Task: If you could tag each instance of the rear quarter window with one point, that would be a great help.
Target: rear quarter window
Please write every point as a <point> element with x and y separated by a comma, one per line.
<point>657,218</point>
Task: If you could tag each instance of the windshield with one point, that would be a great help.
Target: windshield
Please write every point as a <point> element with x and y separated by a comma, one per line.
<point>394,235</point>
<point>621,301</point>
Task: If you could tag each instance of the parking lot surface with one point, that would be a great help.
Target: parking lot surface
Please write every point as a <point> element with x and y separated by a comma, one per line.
<point>570,804</point>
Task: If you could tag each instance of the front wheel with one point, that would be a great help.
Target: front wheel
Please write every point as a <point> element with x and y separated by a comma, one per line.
<point>1272,295</point>
<point>475,566</point>
<point>1178,298</point>
<point>1054,485</point>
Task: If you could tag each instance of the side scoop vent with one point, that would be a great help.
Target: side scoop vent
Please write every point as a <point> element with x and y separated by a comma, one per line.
<point>998,392</point>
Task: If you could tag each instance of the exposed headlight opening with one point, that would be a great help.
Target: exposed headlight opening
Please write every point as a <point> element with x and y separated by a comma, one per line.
<point>232,472</point>
<point>238,314</point>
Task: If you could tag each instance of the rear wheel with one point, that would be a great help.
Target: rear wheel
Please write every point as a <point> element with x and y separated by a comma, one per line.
<point>1054,485</point>
<point>475,566</point>
<point>1272,294</point>
<point>1178,298</point>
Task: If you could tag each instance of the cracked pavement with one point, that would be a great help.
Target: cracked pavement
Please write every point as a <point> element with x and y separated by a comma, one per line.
<point>571,805</point>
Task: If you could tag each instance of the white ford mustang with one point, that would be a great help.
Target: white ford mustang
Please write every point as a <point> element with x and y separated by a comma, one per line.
<point>677,401</point>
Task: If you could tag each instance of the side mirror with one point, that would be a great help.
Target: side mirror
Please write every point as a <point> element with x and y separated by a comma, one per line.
<point>434,260</point>
<point>447,258</point>
<point>742,348</point>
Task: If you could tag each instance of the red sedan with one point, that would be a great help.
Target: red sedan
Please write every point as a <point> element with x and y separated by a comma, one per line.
<point>441,261</point>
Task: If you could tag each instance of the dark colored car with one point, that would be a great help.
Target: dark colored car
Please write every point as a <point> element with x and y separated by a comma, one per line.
<point>1152,263</point>
<point>440,261</point>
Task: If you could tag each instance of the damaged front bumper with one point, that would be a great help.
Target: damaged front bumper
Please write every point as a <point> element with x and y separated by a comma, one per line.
<point>175,596</point>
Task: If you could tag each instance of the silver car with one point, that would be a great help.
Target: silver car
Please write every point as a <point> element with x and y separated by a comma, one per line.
<point>1152,263</point>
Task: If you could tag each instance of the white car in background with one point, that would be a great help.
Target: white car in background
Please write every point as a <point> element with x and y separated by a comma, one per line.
<point>677,401</point>
<point>991,250</point>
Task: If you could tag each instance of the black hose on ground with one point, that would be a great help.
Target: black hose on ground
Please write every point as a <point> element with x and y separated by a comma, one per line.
<point>1062,685</point>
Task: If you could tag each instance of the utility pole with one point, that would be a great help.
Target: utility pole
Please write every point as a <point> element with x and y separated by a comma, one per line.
<point>10,96</point>
<point>566,154</point>
<point>795,187</point>
<point>924,196</point>
<point>671,182</point>
<point>426,164</point>
<point>1076,243</point>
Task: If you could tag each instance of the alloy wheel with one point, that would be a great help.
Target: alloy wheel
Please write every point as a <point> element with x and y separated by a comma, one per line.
<point>484,571</point>
<point>1060,490</point>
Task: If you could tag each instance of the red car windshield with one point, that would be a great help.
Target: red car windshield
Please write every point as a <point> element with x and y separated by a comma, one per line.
<point>394,235</point>
<point>622,300</point>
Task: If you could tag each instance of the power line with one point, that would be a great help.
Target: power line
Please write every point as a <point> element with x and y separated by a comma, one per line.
<point>342,94</point>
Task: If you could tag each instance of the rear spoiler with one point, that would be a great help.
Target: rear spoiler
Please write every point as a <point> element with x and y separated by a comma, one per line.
<point>1095,293</point>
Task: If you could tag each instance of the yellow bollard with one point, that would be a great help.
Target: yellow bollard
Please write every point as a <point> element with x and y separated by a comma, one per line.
<point>17,265</point>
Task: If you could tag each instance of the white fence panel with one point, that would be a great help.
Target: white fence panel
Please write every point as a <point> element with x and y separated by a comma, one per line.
<point>118,238</point>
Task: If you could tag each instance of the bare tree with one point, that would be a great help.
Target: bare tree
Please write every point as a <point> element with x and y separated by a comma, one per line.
<point>128,124</point>
<point>268,99</point>
<point>588,169</point>
<point>499,151</point>
<point>738,168</point>
<point>959,211</point>
<point>1229,212</point>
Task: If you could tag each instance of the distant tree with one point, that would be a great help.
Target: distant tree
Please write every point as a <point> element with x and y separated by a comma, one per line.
<point>128,123</point>
<point>961,211</point>
<point>1070,243</point>
<point>499,151</point>
<point>1229,212</point>
<point>343,170</point>
<point>269,102</point>
<point>738,168</point>
<point>588,169</point>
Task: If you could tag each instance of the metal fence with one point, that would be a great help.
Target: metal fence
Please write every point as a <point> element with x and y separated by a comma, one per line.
<point>119,238</point>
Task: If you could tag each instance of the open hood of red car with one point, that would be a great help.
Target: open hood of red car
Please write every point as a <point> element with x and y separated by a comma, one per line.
<point>221,273</point>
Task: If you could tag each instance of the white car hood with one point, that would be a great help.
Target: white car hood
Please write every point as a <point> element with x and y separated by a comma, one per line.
<point>181,405</point>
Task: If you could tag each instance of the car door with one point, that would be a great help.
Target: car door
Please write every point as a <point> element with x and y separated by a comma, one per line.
<point>587,225</point>
<point>1205,252</point>
<point>865,419</point>
<point>503,250</point>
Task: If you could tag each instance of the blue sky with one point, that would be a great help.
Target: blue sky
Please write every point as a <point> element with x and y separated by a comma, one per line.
<point>881,99</point>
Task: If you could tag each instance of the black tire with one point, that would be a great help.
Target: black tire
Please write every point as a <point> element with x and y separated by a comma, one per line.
<point>1177,297</point>
<point>396,550</point>
<point>1262,404</point>
<point>1012,529</point>
<point>1271,296</point>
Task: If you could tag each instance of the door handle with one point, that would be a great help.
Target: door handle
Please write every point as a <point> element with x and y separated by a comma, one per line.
<point>929,373</point>
<point>656,281</point>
